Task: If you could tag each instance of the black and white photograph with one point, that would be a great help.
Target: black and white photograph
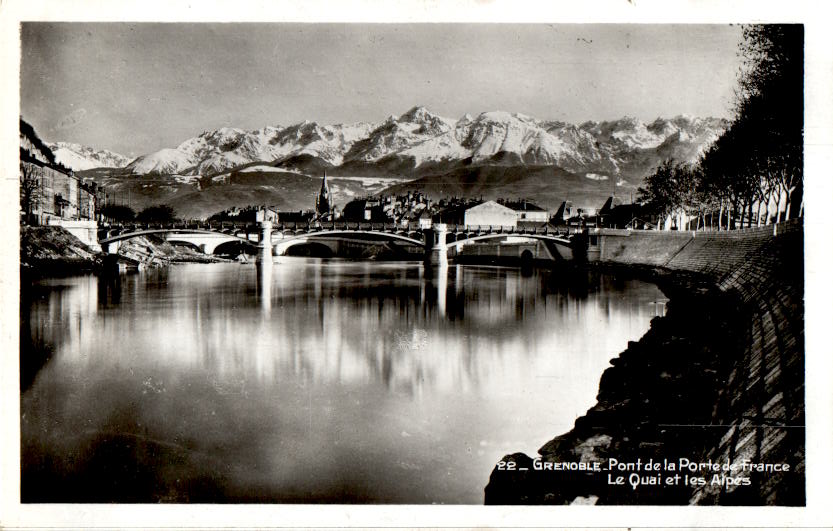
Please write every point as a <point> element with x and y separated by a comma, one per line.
<point>279,263</point>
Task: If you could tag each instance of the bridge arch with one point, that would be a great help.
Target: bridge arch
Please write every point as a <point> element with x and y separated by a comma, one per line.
<point>126,235</point>
<point>308,248</point>
<point>207,240</point>
<point>283,244</point>
<point>235,247</point>
<point>550,237</point>
<point>558,247</point>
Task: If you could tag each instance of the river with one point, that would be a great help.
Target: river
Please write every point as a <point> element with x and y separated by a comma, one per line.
<point>308,381</point>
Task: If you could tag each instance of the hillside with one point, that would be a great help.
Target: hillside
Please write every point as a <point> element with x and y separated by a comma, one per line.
<point>201,197</point>
<point>547,186</point>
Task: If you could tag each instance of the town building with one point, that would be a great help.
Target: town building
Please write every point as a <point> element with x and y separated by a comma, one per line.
<point>366,209</point>
<point>564,212</point>
<point>51,194</point>
<point>489,213</point>
<point>247,214</point>
<point>299,216</point>
<point>618,215</point>
<point>526,210</point>
<point>414,207</point>
<point>266,214</point>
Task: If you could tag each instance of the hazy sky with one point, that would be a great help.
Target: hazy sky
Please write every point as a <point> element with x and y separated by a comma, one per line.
<point>136,88</point>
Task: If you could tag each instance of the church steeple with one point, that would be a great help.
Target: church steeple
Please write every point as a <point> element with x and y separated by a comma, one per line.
<point>325,190</point>
<point>323,202</point>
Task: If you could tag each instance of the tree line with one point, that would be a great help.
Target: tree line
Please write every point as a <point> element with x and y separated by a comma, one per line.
<point>754,172</point>
<point>154,214</point>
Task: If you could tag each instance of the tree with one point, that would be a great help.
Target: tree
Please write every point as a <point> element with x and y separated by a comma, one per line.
<point>657,194</point>
<point>159,213</point>
<point>771,103</point>
<point>30,189</point>
<point>118,213</point>
<point>671,191</point>
<point>758,161</point>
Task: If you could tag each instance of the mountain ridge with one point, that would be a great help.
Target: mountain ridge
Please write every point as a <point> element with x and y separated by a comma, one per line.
<point>78,157</point>
<point>418,141</point>
<point>492,154</point>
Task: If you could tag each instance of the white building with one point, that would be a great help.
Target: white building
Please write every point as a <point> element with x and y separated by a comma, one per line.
<point>490,213</point>
<point>527,211</point>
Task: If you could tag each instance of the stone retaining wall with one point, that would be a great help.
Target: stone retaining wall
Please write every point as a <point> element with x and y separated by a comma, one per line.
<point>85,230</point>
<point>722,378</point>
<point>763,401</point>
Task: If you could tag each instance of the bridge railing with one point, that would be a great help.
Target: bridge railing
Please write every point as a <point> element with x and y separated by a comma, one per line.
<point>186,224</point>
<point>347,226</point>
<point>506,229</point>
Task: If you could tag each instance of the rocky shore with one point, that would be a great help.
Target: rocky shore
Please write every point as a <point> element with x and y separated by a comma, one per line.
<point>53,251</point>
<point>718,379</point>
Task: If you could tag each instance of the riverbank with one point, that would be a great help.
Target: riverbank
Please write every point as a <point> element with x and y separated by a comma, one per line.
<point>719,378</point>
<point>54,251</point>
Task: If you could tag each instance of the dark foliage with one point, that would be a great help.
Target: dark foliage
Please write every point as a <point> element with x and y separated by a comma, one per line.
<point>157,213</point>
<point>118,213</point>
<point>754,171</point>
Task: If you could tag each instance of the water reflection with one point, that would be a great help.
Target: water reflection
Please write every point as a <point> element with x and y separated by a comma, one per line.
<point>308,380</point>
<point>264,286</point>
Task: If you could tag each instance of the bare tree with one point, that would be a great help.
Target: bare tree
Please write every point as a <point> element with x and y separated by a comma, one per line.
<point>30,189</point>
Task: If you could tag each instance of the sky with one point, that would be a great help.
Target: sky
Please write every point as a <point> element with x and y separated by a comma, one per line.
<point>137,88</point>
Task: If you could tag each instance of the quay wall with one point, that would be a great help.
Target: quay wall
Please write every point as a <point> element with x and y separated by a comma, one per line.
<point>720,377</point>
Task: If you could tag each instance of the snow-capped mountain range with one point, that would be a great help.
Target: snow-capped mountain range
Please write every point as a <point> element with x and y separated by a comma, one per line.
<point>78,157</point>
<point>420,141</point>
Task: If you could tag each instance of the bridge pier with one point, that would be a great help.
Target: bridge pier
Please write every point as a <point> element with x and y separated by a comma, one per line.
<point>436,248</point>
<point>264,245</point>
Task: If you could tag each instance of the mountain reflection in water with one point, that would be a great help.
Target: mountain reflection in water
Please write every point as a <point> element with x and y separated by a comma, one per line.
<point>307,381</point>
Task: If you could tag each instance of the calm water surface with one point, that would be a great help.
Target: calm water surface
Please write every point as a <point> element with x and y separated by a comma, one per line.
<point>310,381</point>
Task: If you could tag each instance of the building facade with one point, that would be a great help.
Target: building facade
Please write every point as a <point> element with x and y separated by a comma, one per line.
<point>490,213</point>
<point>527,211</point>
<point>50,194</point>
<point>49,191</point>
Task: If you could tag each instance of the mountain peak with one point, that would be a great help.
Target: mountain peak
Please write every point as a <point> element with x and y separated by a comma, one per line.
<point>422,116</point>
<point>503,116</point>
<point>417,112</point>
<point>629,121</point>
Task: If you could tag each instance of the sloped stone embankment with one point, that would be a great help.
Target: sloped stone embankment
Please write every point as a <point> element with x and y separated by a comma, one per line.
<point>719,378</point>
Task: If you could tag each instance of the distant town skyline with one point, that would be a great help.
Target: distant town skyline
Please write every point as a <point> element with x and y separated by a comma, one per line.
<point>137,88</point>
